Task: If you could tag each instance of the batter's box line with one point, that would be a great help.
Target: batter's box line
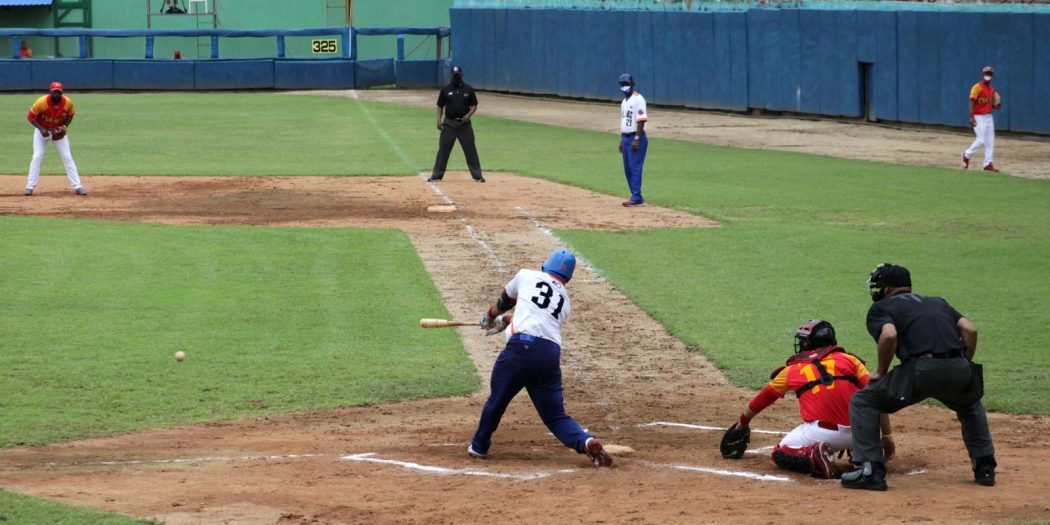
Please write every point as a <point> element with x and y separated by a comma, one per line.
<point>746,474</point>
<point>369,457</point>
<point>704,427</point>
<point>201,459</point>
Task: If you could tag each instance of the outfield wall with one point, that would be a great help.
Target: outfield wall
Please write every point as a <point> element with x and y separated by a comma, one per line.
<point>918,65</point>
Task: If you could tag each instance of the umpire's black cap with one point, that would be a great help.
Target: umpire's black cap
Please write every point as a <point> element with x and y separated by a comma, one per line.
<point>896,276</point>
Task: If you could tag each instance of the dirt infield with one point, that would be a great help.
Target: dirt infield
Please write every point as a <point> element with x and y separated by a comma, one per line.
<point>625,379</point>
<point>1021,156</point>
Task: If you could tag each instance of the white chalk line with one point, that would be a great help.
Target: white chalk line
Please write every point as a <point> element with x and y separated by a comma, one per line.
<point>525,212</point>
<point>471,230</point>
<point>761,450</point>
<point>723,472</point>
<point>202,459</point>
<point>445,471</point>
<point>705,427</point>
<point>916,472</point>
<point>382,132</point>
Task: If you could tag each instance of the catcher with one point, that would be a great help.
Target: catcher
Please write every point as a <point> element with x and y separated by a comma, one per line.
<point>824,377</point>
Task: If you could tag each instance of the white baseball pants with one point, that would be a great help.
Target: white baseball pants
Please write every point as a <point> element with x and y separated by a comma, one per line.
<point>811,433</point>
<point>985,131</point>
<point>39,148</point>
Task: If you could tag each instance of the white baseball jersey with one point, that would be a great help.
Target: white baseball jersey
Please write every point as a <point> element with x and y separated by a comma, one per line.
<point>632,111</point>
<point>542,307</point>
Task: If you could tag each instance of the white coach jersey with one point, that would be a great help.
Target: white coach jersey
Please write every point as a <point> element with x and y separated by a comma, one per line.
<point>542,305</point>
<point>632,111</point>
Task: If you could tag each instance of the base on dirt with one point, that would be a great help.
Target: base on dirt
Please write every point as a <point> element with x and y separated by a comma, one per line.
<point>441,208</point>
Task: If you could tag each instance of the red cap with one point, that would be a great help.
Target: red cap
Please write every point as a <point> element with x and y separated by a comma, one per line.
<point>988,69</point>
<point>57,86</point>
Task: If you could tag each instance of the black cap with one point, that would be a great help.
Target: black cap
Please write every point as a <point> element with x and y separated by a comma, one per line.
<point>457,69</point>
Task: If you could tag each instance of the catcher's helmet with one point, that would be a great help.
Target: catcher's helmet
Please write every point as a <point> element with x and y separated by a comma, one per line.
<point>813,334</point>
<point>887,275</point>
<point>560,263</point>
<point>626,80</point>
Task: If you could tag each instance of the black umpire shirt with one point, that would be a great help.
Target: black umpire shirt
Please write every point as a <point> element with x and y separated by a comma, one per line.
<point>924,324</point>
<point>457,101</point>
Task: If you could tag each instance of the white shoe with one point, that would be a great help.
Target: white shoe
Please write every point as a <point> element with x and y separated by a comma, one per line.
<point>475,454</point>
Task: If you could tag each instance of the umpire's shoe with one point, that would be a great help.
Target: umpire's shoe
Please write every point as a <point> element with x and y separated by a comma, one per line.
<point>870,476</point>
<point>597,453</point>
<point>984,471</point>
<point>434,179</point>
<point>479,179</point>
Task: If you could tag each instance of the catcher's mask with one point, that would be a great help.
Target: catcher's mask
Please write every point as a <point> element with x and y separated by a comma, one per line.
<point>814,334</point>
<point>884,276</point>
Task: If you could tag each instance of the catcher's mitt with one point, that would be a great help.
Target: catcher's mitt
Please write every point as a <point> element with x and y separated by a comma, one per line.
<point>735,441</point>
<point>997,100</point>
<point>58,133</point>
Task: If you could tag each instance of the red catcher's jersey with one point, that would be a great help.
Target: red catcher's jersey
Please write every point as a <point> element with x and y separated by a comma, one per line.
<point>825,403</point>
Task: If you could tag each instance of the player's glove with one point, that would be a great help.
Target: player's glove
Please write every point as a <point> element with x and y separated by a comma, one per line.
<point>997,100</point>
<point>499,324</point>
<point>735,441</point>
<point>58,133</point>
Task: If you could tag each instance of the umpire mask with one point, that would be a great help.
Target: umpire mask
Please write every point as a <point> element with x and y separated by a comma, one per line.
<point>457,76</point>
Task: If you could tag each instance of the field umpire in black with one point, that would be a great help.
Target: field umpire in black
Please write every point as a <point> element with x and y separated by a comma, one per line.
<point>936,345</point>
<point>458,102</point>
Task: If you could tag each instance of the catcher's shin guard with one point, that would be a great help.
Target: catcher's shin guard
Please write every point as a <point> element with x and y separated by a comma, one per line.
<point>814,460</point>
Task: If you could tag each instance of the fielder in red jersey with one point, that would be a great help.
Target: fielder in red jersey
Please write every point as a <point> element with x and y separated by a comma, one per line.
<point>824,376</point>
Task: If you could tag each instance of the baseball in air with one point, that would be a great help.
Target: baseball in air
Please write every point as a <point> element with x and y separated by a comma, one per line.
<point>180,356</point>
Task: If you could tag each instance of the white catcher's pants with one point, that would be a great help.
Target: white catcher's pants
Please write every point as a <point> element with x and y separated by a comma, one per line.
<point>985,131</point>
<point>39,148</point>
<point>811,433</point>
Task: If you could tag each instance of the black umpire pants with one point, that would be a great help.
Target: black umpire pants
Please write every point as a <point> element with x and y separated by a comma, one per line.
<point>917,379</point>
<point>452,131</point>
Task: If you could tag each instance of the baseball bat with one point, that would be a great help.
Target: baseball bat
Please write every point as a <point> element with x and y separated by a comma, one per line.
<point>444,323</point>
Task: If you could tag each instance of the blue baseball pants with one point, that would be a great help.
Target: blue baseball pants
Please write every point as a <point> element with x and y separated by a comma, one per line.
<point>534,364</point>
<point>632,164</point>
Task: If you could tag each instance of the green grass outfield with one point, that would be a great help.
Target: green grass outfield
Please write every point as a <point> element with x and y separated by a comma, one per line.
<point>800,232</point>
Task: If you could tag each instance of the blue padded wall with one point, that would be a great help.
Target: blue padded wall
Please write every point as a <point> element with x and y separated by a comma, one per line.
<point>152,75</point>
<point>922,63</point>
<point>416,74</point>
<point>374,72</point>
<point>233,74</point>
<point>16,75</point>
<point>326,74</point>
<point>73,73</point>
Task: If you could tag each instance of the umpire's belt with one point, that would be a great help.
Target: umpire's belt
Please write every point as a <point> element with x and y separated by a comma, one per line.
<point>523,338</point>
<point>937,355</point>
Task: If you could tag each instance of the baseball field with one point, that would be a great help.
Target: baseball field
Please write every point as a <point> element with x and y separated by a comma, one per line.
<point>283,242</point>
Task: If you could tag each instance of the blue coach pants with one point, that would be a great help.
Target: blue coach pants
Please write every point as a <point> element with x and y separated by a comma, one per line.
<point>535,365</point>
<point>632,164</point>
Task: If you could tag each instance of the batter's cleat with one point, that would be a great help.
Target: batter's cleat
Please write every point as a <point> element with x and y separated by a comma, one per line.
<point>823,461</point>
<point>966,162</point>
<point>475,454</point>
<point>434,179</point>
<point>80,191</point>
<point>870,476</point>
<point>991,167</point>
<point>480,179</point>
<point>629,203</point>
<point>29,192</point>
<point>984,471</point>
<point>597,453</point>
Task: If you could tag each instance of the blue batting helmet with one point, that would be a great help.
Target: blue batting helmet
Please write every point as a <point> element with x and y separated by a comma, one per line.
<point>560,263</point>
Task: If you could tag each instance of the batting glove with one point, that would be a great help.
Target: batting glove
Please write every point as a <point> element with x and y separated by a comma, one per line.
<point>499,324</point>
